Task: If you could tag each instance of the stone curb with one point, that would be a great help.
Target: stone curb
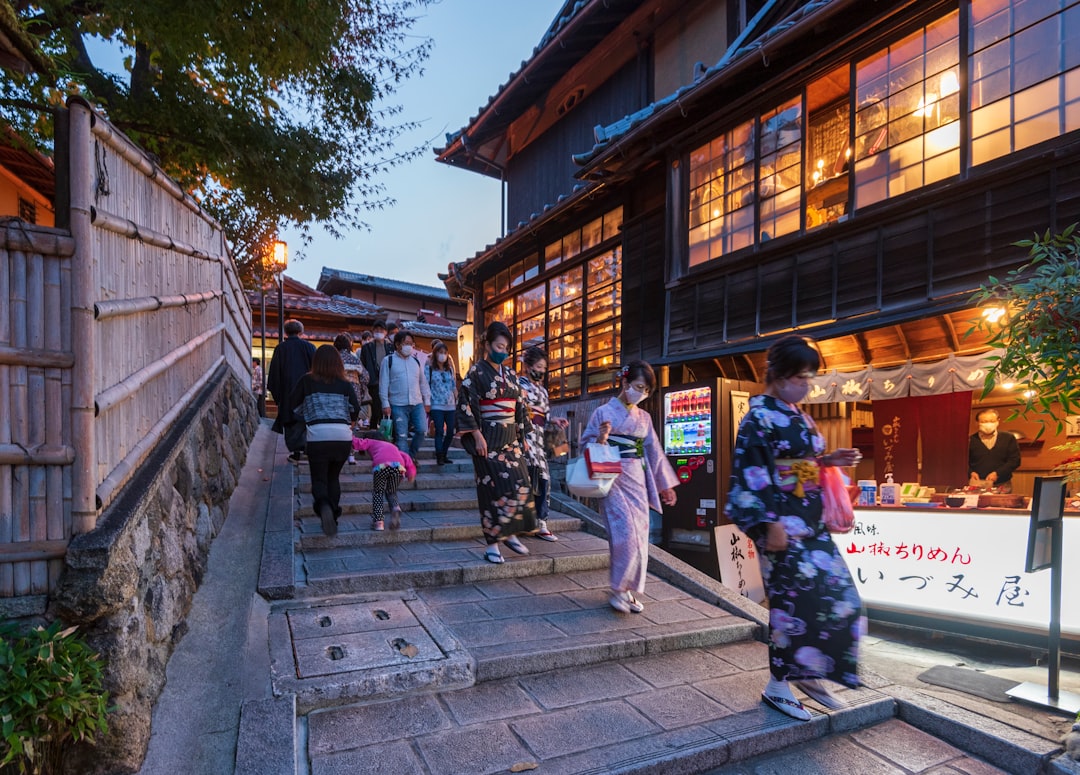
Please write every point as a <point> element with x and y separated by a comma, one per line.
<point>266,744</point>
<point>277,576</point>
<point>1006,747</point>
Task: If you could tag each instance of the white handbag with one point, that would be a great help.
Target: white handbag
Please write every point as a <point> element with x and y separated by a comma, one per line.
<point>579,483</point>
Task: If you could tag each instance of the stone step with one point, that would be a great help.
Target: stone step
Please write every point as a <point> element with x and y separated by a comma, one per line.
<point>525,625</point>
<point>400,566</point>
<point>683,712</point>
<point>411,501</point>
<point>435,479</point>
<point>416,526</point>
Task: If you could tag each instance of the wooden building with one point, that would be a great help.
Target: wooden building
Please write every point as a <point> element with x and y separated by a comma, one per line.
<point>401,300</point>
<point>690,181</point>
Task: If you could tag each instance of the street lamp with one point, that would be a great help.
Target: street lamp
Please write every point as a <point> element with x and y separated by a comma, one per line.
<point>280,260</point>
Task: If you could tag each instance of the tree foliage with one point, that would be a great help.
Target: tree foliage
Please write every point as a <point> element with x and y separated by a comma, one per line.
<point>271,113</point>
<point>1039,332</point>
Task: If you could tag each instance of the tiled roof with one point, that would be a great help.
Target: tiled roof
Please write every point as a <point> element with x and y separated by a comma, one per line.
<point>431,330</point>
<point>330,305</point>
<point>570,9</point>
<point>384,283</point>
<point>605,136</point>
<point>454,279</point>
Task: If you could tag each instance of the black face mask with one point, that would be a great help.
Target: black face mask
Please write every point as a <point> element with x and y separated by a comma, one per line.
<point>536,376</point>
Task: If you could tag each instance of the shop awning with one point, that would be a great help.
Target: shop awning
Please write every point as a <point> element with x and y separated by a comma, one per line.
<point>952,374</point>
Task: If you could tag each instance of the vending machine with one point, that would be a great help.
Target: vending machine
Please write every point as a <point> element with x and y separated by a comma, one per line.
<point>698,421</point>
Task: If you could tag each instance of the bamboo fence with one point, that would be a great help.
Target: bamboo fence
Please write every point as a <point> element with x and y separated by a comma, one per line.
<point>106,335</point>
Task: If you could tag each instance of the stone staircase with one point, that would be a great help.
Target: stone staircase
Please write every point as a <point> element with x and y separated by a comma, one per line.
<point>406,649</point>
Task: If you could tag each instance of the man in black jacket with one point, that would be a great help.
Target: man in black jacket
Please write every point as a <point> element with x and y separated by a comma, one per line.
<point>992,456</point>
<point>291,361</point>
<point>371,356</point>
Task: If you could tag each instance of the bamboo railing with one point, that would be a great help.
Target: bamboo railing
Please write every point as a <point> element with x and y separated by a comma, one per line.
<point>106,335</point>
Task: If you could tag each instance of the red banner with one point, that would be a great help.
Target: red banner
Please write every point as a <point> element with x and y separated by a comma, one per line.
<point>896,439</point>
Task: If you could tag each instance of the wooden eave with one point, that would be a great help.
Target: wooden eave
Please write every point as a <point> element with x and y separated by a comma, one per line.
<point>734,91</point>
<point>481,145</point>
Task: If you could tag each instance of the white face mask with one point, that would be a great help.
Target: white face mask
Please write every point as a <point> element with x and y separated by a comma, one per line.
<point>406,350</point>
<point>988,427</point>
<point>441,357</point>
<point>379,336</point>
<point>634,397</point>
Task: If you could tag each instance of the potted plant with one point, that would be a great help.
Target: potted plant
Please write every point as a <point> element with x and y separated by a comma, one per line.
<point>51,695</point>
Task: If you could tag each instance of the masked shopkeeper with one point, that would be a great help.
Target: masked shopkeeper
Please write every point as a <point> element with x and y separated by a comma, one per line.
<point>992,456</point>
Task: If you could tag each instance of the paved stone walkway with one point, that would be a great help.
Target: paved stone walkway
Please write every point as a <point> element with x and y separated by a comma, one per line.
<point>407,653</point>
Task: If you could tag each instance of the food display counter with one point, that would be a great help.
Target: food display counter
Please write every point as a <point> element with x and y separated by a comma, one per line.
<point>959,570</point>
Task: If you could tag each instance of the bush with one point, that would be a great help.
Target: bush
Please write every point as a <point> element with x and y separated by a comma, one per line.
<point>51,695</point>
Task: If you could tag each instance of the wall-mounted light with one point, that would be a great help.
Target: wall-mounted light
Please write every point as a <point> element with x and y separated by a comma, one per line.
<point>993,314</point>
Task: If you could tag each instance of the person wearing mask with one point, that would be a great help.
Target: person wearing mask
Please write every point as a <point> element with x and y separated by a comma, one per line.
<point>443,383</point>
<point>647,480</point>
<point>815,613</point>
<point>493,419</point>
<point>404,394</point>
<point>291,361</point>
<point>992,456</point>
<point>329,409</point>
<point>536,396</point>
<point>371,358</point>
<point>258,386</point>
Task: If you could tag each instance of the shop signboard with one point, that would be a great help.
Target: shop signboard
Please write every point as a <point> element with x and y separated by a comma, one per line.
<point>961,565</point>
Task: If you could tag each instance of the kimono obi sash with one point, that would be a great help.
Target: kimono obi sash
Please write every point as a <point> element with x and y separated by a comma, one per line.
<point>538,420</point>
<point>628,446</point>
<point>797,475</point>
<point>498,410</point>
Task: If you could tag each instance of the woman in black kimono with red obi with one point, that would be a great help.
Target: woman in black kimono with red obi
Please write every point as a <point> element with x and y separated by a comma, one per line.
<point>493,419</point>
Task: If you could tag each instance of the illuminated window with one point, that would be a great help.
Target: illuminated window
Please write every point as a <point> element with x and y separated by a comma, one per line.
<point>781,169</point>
<point>907,127</point>
<point>602,307</point>
<point>1025,74</point>
<point>565,322</point>
<point>828,149</point>
<point>721,213</point>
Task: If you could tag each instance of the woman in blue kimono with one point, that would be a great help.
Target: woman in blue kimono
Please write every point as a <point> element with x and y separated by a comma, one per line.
<point>815,614</point>
<point>647,480</point>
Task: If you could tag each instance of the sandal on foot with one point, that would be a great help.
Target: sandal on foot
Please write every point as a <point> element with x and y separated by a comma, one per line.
<point>620,601</point>
<point>516,545</point>
<point>547,535</point>
<point>788,707</point>
<point>636,606</point>
<point>819,692</point>
<point>492,555</point>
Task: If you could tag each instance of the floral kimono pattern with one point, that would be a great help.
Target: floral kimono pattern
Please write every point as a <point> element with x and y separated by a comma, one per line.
<point>536,397</point>
<point>645,472</point>
<point>490,400</point>
<point>815,617</point>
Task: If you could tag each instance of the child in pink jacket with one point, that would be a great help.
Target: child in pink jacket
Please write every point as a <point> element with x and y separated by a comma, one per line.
<point>391,465</point>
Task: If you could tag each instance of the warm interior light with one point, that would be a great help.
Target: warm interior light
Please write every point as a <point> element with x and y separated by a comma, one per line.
<point>993,314</point>
<point>281,256</point>
<point>949,83</point>
<point>927,105</point>
<point>1030,393</point>
<point>1008,385</point>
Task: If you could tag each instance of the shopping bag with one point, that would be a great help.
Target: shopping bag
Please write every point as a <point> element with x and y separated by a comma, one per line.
<point>579,483</point>
<point>386,428</point>
<point>836,507</point>
<point>603,461</point>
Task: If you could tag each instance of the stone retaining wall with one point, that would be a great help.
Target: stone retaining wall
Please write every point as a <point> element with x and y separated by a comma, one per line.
<point>129,582</point>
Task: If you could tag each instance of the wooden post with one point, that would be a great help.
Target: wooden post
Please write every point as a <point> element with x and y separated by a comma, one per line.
<point>84,470</point>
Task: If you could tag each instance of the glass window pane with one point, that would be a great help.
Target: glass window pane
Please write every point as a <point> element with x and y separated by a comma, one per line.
<point>592,234</point>
<point>613,220</point>
<point>553,254</point>
<point>572,244</point>
<point>489,289</point>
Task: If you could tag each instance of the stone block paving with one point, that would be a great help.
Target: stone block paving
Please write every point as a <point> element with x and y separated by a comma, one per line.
<point>889,748</point>
<point>542,623</point>
<point>687,711</point>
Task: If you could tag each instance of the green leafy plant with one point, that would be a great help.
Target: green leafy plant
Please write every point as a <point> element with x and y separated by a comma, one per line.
<point>51,695</point>
<point>1038,333</point>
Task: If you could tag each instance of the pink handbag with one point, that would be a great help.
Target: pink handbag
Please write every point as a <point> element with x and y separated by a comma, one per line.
<point>836,506</point>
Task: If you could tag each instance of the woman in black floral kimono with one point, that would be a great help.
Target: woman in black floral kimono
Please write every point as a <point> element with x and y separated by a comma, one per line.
<point>815,614</point>
<point>493,419</point>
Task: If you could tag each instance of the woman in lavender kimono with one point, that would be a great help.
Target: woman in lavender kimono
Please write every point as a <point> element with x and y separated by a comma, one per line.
<point>647,480</point>
<point>494,422</point>
<point>815,616</point>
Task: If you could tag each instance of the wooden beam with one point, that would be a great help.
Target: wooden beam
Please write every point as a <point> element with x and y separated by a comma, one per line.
<point>29,551</point>
<point>899,329</point>
<point>43,359</point>
<point>950,331</point>
<point>17,455</point>
<point>864,350</point>
<point>753,369</point>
